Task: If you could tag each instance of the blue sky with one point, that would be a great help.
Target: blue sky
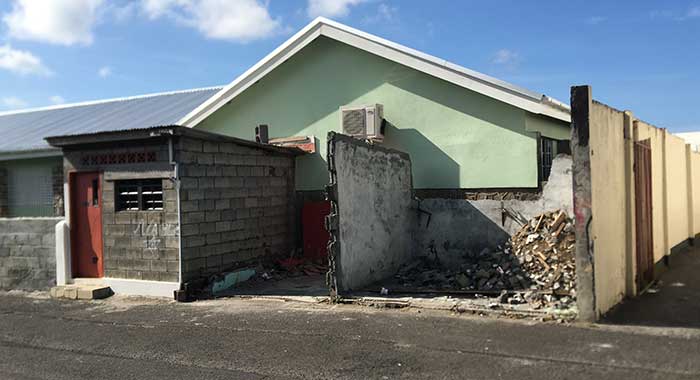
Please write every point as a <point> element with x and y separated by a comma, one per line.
<point>637,55</point>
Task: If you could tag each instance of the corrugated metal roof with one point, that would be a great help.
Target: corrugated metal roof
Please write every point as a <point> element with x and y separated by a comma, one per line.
<point>25,130</point>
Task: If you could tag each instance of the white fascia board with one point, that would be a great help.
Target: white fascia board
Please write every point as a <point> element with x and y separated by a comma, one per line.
<point>29,154</point>
<point>483,84</point>
<point>252,75</point>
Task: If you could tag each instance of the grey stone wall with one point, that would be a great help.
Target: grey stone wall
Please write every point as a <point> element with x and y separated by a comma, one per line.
<point>375,213</point>
<point>140,245</point>
<point>27,253</point>
<point>237,205</point>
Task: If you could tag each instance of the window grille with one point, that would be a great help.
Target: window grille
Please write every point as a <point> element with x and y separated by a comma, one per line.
<point>547,148</point>
<point>139,195</point>
<point>30,190</point>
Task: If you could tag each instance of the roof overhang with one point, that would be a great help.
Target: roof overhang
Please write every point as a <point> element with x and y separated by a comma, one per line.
<point>158,133</point>
<point>30,154</point>
<point>516,96</point>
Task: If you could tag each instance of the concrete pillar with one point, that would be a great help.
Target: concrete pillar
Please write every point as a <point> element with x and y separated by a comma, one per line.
<point>63,263</point>
<point>664,186</point>
<point>581,104</point>
<point>631,135</point>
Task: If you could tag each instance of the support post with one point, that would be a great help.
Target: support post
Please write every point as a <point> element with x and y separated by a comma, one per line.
<point>581,104</point>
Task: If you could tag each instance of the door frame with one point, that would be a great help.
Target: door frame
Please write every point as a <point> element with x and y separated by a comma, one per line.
<point>72,175</point>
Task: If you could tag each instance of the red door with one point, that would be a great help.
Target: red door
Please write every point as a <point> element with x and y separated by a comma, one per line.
<point>314,232</point>
<point>86,225</point>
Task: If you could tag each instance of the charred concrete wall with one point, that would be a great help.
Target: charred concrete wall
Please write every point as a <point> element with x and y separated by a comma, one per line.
<point>459,225</point>
<point>27,253</point>
<point>373,212</point>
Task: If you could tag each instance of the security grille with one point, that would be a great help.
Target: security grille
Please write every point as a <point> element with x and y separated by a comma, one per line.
<point>139,195</point>
<point>547,146</point>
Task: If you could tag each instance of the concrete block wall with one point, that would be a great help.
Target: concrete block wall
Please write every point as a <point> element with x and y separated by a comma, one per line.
<point>374,213</point>
<point>141,245</point>
<point>27,253</point>
<point>138,245</point>
<point>237,205</point>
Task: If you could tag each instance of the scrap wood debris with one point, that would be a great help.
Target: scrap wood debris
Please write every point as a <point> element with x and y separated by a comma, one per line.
<point>536,266</point>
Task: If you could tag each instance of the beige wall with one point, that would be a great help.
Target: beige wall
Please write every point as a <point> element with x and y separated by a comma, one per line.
<point>608,198</point>
<point>675,198</point>
<point>677,190</point>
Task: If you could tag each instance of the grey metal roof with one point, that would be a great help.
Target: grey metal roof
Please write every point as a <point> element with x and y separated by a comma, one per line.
<point>25,130</point>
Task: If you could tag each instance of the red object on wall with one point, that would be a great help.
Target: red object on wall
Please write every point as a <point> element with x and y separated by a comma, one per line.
<point>86,225</point>
<point>314,232</point>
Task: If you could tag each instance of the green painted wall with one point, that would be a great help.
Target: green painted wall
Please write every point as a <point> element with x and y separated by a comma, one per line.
<point>456,138</point>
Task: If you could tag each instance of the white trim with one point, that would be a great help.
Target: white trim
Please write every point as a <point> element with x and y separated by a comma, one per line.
<point>29,154</point>
<point>142,287</point>
<point>102,101</point>
<point>530,101</point>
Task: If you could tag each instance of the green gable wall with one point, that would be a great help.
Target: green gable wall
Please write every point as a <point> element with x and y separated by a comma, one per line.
<point>456,138</point>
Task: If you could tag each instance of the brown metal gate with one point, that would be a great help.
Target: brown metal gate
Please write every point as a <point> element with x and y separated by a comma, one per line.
<point>643,213</point>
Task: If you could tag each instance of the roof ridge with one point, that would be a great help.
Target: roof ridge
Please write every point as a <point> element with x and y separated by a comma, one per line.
<point>110,100</point>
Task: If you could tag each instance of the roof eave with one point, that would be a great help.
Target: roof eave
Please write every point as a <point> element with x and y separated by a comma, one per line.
<point>469,79</point>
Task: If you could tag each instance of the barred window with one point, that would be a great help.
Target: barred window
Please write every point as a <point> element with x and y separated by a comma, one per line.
<point>547,155</point>
<point>139,195</point>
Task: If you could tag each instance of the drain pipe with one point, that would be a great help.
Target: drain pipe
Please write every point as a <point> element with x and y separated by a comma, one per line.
<point>176,181</point>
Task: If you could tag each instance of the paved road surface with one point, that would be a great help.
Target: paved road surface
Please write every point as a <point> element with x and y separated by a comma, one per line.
<point>126,338</point>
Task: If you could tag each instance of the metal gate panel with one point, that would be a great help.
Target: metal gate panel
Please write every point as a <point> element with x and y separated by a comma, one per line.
<point>643,214</point>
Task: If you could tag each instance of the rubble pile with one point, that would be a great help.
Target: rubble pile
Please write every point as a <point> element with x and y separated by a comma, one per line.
<point>545,250</point>
<point>535,266</point>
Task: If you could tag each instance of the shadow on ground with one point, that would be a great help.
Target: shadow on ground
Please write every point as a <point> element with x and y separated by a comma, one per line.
<point>673,302</point>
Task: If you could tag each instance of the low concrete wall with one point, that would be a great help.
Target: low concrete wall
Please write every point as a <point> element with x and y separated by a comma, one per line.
<point>374,212</point>
<point>27,253</point>
<point>459,225</point>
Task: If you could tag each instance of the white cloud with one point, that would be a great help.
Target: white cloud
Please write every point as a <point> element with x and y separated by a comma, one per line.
<point>104,71</point>
<point>693,12</point>
<point>385,13</point>
<point>506,57</point>
<point>12,102</point>
<point>21,62</point>
<point>57,99</point>
<point>331,8</point>
<point>62,22</point>
<point>239,20</point>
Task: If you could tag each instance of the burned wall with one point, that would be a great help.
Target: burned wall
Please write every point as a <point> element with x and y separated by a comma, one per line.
<point>27,253</point>
<point>373,212</point>
<point>237,205</point>
<point>138,245</point>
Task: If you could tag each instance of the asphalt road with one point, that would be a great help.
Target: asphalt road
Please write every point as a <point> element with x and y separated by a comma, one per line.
<point>126,338</point>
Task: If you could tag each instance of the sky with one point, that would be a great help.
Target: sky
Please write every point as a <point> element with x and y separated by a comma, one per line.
<point>637,55</point>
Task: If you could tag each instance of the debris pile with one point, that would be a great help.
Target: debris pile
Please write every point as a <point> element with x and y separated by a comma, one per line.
<point>536,266</point>
<point>545,250</point>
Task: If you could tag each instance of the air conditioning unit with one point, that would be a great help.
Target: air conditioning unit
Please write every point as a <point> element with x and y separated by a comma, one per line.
<point>363,121</point>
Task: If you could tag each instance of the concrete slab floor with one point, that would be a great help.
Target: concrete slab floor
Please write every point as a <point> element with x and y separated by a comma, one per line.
<point>302,285</point>
<point>124,337</point>
<point>673,302</point>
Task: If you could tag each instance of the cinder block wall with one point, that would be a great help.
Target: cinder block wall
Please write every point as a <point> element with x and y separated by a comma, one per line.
<point>27,253</point>
<point>237,205</point>
<point>138,245</point>
<point>141,245</point>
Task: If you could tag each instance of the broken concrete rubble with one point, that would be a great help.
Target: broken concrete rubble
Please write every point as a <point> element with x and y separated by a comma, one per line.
<point>536,266</point>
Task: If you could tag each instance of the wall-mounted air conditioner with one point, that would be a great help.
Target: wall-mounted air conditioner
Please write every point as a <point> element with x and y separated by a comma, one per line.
<point>363,121</point>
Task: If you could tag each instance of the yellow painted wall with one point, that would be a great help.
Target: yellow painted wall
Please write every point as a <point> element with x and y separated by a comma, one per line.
<point>676,190</point>
<point>608,204</point>
<point>695,160</point>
